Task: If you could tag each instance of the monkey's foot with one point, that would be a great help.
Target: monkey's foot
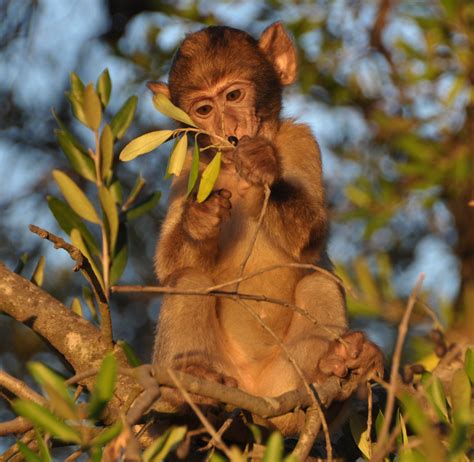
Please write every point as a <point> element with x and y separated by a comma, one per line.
<point>354,358</point>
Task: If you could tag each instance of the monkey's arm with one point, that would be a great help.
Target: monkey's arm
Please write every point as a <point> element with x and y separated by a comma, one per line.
<point>296,215</point>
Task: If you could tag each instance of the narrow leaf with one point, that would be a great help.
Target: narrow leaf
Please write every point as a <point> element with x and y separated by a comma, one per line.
<point>469,364</point>
<point>104,386</point>
<point>132,357</point>
<point>194,172</point>
<point>122,120</point>
<point>77,107</point>
<point>38,273</point>
<point>274,450</point>
<point>76,307</point>
<point>119,261</point>
<point>136,190</point>
<point>76,155</point>
<point>163,445</point>
<point>68,220</point>
<point>461,396</point>
<point>77,87</point>
<point>108,434</point>
<point>178,156</point>
<point>209,178</point>
<point>75,197</point>
<point>110,210</point>
<point>27,453</point>
<point>43,448</point>
<point>89,299</point>
<point>358,427</point>
<point>115,189</point>
<point>104,87</point>
<point>144,206</point>
<point>167,108</point>
<point>144,144</point>
<point>44,419</point>
<point>92,108</point>
<point>106,150</point>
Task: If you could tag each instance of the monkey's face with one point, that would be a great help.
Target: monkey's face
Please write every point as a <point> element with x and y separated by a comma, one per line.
<point>225,109</point>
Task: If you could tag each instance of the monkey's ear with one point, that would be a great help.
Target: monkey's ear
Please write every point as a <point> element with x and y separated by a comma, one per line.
<point>159,87</point>
<point>278,46</point>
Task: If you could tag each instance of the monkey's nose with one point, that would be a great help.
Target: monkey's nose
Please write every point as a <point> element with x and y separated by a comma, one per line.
<point>233,140</point>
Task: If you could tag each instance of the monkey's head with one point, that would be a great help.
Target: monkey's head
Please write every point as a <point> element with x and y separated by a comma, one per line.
<point>230,83</point>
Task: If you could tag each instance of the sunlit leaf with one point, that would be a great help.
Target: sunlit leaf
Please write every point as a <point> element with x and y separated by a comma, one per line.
<point>20,265</point>
<point>77,157</point>
<point>123,118</point>
<point>178,156</point>
<point>43,418</point>
<point>104,87</point>
<point>43,448</point>
<point>77,107</point>
<point>163,445</point>
<point>194,172</point>
<point>435,393</point>
<point>104,386</point>
<point>77,86</point>
<point>359,432</point>
<point>115,189</point>
<point>209,178</point>
<point>89,299</point>
<point>108,206</point>
<point>78,241</point>
<point>92,108</point>
<point>167,108</point>
<point>75,197</point>
<point>76,307</point>
<point>144,144</point>
<point>68,220</point>
<point>106,150</point>
<point>132,357</point>
<point>274,449</point>
<point>108,434</point>
<point>144,206</point>
<point>461,396</point>
<point>38,273</point>
<point>469,364</point>
<point>136,190</point>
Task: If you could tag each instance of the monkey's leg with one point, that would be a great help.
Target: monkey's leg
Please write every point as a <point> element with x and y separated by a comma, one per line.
<point>188,332</point>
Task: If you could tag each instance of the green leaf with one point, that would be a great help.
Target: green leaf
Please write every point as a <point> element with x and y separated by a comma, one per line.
<point>103,386</point>
<point>104,87</point>
<point>75,197</point>
<point>106,150</point>
<point>379,422</point>
<point>38,273</point>
<point>77,87</point>
<point>194,172</point>
<point>78,242</point>
<point>274,449</point>
<point>459,439</point>
<point>20,265</point>
<point>92,108</point>
<point>76,155</point>
<point>144,206</point>
<point>27,453</point>
<point>43,448</point>
<point>417,417</point>
<point>461,397</point>
<point>116,190</point>
<point>77,107</point>
<point>469,364</point>
<point>108,434</point>
<point>119,261</point>
<point>122,120</point>
<point>132,357</point>
<point>164,444</point>
<point>89,299</point>
<point>209,178</point>
<point>41,417</point>
<point>437,398</point>
<point>359,429</point>
<point>58,393</point>
<point>178,156</point>
<point>136,190</point>
<point>110,210</point>
<point>144,144</point>
<point>68,220</point>
<point>167,108</point>
<point>409,455</point>
<point>76,307</point>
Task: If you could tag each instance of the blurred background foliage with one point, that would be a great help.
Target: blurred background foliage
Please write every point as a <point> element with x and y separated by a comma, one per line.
<point>387,86</point>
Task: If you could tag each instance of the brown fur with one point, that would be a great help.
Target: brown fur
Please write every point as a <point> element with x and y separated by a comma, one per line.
<point>203,244</point>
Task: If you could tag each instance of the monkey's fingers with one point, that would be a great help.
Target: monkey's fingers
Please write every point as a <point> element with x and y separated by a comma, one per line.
<point>333,365</point>
<point>224,193</point>
<point>369,361</point>
<point>352,345</point>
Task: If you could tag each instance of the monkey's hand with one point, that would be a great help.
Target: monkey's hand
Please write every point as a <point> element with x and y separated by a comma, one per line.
<point>256,160</point>
<point>203,220</point>
<point>353,359</point>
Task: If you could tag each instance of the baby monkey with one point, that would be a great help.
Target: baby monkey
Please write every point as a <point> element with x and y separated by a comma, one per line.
<point>231,86</point>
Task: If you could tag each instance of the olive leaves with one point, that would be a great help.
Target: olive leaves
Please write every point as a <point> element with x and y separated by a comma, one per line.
<point>151,141</point>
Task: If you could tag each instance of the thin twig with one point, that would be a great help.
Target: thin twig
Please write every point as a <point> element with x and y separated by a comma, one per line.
<point>207,425</point>
<point>222,429</point>
<point>390,405</point>
<point>370,401</point>
<point>83,264</point>
<point>17,425</point>
<point>309,433</point>
<point>311,392</point>
<point>263,211</point>
<point>20,388</point>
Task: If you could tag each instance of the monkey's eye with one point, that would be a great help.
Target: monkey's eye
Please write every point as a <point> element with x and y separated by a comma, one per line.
<point>233,95</point>
<point>204,110</point>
